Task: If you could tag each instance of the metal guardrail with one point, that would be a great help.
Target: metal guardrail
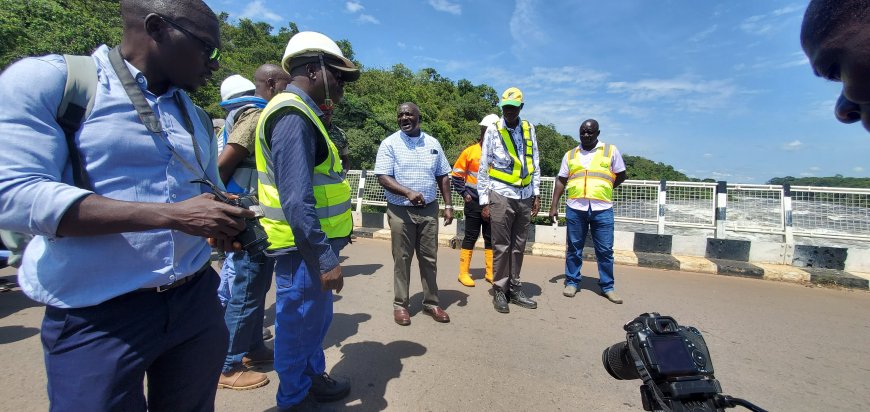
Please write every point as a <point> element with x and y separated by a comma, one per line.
<point>822,212</point>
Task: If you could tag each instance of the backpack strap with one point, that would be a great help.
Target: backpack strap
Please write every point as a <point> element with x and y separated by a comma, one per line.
<point>74,108</point>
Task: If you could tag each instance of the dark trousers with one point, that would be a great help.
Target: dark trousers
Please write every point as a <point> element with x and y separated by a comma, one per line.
<point>473,223</point>
<point>97,357</point>
<point>510,220</point>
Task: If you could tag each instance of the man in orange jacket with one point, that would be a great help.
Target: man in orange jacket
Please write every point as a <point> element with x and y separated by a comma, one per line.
<point>464,179</point>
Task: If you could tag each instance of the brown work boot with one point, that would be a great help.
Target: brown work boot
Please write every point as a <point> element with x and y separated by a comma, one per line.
<point>241,378</point>
<point>260,356</point>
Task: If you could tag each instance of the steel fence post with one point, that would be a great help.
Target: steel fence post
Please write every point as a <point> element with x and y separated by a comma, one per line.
<point>721,208</point>
<point>360,190</point>
<point>663,196</point>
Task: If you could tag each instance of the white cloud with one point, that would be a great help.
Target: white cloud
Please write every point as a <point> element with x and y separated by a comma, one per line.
<point>401,45</point>
<point>256,10</point>
<point>685,92</point>
<point>770,22</point>
<point>858,169</point>
<point>525,28</point>
<point>721,174</point>
<point>368,18</point>
<point>446,6</point>
<point>571,75</point>
<point>353,6</point>
<point>703,34</point>
<point>708,155</point>
<point>792,146</point>
<point>807,174</point>
<point>815,168</point>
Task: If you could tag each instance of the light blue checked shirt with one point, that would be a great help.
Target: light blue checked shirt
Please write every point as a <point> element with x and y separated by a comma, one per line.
<point>124,162</point>
<point>415,162</point>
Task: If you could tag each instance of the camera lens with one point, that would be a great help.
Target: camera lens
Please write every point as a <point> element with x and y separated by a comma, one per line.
<point>618,362</point>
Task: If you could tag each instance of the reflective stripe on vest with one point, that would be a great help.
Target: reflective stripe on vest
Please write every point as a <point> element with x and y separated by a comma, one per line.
<point>331,192</point>
<point>594,182</point>
<point>517,173</point>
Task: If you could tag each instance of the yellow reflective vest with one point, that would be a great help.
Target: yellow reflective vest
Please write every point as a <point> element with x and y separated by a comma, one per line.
<point>594,182</point>
<point>516,174</point>
<point>331,192</point>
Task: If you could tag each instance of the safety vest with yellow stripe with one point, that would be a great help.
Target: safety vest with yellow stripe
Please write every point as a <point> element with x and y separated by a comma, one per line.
<point>331,192</point>
<point>517,173</point>
<point>595,181</point>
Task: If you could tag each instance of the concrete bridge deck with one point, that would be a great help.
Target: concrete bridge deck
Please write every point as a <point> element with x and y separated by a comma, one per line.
<point>783,346</point>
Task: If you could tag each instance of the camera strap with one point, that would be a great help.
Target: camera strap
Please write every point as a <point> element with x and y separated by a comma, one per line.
<point>150,120</point>
<point>646,377</point>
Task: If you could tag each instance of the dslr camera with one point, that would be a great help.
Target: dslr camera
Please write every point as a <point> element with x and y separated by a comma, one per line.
<point>673,362</point>
<point>253,238</point>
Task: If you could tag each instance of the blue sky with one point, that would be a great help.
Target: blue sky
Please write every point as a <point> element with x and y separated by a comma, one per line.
<point>716,89</point>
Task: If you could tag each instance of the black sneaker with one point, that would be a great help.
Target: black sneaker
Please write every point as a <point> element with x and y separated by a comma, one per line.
<point>326,389</point>
<point>308,404</point>
<point>519,298</point>
<point>499,301</point>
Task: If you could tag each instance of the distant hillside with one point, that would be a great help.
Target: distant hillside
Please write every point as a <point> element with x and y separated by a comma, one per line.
<point>832,181</point>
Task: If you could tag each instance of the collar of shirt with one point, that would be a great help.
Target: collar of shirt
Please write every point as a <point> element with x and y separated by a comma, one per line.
<point>584,151</point>
<point>102,53</point>
<point>305,98</point>
<point>414,140</point>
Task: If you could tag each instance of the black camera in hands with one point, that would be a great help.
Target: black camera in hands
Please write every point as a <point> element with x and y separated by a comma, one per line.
<point>253,237</point>
<point>673,362</point>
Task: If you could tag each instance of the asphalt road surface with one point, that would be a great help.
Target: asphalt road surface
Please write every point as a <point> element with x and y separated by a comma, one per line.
<point>783,346</point>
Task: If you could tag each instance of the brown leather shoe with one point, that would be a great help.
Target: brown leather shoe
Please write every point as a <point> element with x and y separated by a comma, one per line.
<point>437,313</point>
<point>401,316</point>
<point>242,379</point>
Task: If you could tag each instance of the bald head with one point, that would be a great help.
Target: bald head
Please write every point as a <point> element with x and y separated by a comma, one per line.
<point>183,11</point>
<point>589,133</point>
<point>269,80</point>
<point>824,18</point>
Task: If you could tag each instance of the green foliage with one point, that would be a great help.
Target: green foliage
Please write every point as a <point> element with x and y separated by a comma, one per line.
<point>450,110</point>
<point>641,168</point>
<point>37,27</point>
<point>832,181</point>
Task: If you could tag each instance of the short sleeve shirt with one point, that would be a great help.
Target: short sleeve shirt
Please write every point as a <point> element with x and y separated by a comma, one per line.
<point>244,129</point>
<point>415,162</point>
<point>616,165</point>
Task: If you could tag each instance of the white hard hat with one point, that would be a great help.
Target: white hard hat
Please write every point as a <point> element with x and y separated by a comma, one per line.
<point>489,120</point>
<point>235,86</point>
<point>312,44</point>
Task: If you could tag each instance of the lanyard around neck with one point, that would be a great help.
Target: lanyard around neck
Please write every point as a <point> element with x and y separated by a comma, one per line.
<point>149,119</point>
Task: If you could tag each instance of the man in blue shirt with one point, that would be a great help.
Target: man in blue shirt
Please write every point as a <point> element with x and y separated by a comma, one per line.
<point>411,166</point>
<point>123,266</point>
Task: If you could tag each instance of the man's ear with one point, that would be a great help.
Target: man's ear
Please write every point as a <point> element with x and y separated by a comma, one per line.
<point>153,25</point>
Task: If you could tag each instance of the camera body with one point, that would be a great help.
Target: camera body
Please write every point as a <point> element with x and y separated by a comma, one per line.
<point>672,360</point>
<point>253,238</point>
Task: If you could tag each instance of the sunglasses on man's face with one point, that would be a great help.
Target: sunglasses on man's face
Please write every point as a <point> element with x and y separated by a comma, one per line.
<point>213,53</point>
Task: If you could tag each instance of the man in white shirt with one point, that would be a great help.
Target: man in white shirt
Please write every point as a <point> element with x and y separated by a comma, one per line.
<point>590,172</point>
<point>509,184</point>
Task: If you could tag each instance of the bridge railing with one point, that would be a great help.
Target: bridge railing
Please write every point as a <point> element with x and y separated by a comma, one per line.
<point>823,212</point>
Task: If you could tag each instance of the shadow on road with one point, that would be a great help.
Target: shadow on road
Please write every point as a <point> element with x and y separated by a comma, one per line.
<point>370,366</point>
<point>353,270</point>
<point>586,282</point>
<point>343,326</point>
<point>11,302</point>
<point>446,299</point>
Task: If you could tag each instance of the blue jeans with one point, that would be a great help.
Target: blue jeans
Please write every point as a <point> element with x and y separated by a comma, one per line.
<point>303,314</point>
<point>97,357</point>
<point>251,279</point>
<point>601,224</point>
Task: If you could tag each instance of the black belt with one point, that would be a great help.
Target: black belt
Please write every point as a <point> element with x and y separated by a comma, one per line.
<point>179,282</point>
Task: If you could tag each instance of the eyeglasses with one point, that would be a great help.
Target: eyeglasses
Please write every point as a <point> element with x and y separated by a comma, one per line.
<point>213,53</point>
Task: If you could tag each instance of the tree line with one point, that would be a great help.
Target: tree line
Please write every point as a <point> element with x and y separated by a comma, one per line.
<point>450,109</point>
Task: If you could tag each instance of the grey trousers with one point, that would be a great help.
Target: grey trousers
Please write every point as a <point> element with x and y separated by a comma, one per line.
<point>509,224</point>
<point>414,229</point>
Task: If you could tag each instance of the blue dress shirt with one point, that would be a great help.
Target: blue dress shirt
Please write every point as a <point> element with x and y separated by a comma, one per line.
<point>415,162</point>
<point>124,162</point>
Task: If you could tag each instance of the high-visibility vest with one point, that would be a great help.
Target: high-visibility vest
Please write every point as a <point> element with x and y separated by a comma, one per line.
<point>467,165</point>
<point>517,173</point>
<point>593,182</point>
<point>331,192</point>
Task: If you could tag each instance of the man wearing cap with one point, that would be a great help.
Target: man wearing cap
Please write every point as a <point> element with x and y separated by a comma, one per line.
<point>464,177</point>
<point>120,257</point>
<point>306,203</point>
<point>590,171</point>
<point>835,35</point>
<point>247,277</point>
<point>411,165</point>
<point>509,185</point>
